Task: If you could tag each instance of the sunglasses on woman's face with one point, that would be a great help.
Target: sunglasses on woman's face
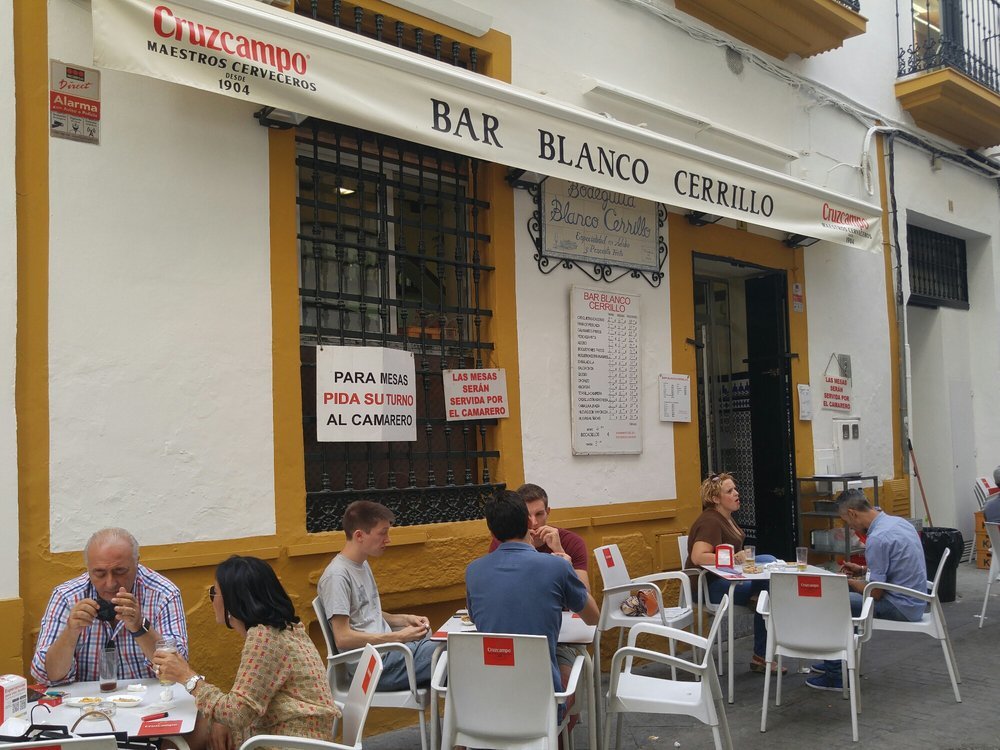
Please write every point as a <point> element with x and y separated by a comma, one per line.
<point>211,593</point>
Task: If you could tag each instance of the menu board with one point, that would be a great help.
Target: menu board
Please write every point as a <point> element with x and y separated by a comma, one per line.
<point>604,332</point>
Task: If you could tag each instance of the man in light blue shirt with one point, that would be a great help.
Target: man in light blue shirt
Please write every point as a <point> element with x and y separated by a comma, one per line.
<point>894,555</point>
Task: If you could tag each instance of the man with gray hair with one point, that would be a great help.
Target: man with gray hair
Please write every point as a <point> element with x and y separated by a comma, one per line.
<point>991,510</point>
<point>117,603</point>
<point>893,554</point>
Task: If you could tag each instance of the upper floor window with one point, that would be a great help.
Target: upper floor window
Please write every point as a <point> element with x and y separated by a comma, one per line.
<point>938,272</point>
<point>959,34</point>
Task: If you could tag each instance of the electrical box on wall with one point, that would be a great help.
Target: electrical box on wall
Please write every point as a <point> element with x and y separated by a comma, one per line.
<point>847,439</point>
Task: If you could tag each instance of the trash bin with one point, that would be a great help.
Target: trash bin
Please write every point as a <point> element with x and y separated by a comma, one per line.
<point>936,540</point>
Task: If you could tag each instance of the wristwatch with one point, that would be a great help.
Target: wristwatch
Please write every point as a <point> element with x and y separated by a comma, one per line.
<point>192,681</point>
<point>143,629</point>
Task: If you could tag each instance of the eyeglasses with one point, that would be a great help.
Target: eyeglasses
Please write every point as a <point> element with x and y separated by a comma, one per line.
<point>211,593</point>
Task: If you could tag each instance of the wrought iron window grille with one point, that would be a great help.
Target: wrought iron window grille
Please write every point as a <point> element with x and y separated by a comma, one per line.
<point>609,272</point>
<point>938,269</point>
<point>392,254</point>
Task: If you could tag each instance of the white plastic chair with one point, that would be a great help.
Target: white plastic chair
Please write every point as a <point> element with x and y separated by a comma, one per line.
<point>932,623</point>
<point>809,616</point>
<point>704,605</point>
<point>499,693</point>
<point>993,529</point>
<point>413,698</point>
<point>631,692</point>
<point>617,587</point>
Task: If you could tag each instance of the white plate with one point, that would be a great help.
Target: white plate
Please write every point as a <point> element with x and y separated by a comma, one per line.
<point>126,701</point>
<point>82,701</point>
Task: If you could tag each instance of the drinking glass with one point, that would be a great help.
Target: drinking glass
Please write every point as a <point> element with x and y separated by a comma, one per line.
<point>749,556</point>
<point>108,668</point>
<point>166,645</point>
<point>801,557</point>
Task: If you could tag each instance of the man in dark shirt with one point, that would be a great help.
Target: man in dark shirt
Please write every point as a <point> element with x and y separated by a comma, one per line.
<point>550,539</point>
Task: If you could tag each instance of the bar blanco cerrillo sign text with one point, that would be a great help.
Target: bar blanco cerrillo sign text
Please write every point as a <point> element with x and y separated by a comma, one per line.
<point>365,394</point>
<point>475,394</point>
<point>253,52</point>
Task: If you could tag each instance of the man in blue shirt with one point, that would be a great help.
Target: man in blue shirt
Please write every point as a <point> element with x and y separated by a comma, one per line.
<point>894,555</point>
<point>516,590</point>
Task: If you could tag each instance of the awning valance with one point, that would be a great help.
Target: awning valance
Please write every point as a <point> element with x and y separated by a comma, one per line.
<point>250,51</point>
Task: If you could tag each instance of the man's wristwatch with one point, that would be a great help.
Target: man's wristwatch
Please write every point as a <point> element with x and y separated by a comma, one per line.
<point>192,681</point>
<point>143,629</point>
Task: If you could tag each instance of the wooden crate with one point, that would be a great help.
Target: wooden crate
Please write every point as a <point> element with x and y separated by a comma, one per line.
<point>978,515</point>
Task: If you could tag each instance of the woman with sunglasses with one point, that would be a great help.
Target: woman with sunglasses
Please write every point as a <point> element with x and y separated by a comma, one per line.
<point>715,526</point>
<point>281,685</point>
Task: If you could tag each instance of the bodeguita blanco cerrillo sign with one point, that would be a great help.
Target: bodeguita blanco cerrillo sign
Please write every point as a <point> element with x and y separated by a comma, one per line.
<point>591,224</point>
<point>247,50</point>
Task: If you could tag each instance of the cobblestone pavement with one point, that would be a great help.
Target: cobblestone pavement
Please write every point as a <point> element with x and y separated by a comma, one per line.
<point>907,701</point>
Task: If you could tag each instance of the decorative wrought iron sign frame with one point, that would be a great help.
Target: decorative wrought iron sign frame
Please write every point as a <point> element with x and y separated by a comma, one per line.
<point>598,271</point>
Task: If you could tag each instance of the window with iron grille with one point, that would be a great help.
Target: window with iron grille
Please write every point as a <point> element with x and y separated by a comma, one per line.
<point>937,269</point>
<point>392,255</point>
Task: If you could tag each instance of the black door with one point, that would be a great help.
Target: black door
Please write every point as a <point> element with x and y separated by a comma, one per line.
<point>771,413</point>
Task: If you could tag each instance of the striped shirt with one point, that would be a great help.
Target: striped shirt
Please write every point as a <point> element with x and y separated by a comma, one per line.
<point>161,604</point>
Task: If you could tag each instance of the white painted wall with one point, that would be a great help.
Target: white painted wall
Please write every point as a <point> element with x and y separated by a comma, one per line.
<point>954,354</point>
<point>159,300</point>
<point>846,303</point>
<point>8,314</point>
<point>544,351</point>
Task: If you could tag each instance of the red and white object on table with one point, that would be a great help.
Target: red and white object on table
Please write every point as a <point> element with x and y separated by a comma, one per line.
<point>725,556</point>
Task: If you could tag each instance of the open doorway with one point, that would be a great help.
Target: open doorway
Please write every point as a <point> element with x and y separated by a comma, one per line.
<point>744,394</point>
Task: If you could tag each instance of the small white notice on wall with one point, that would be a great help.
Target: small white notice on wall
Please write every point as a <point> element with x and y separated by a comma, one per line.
<point>805,402</point>
<point>475,394</point>
<point>675,398</point>
<point>365,394</point>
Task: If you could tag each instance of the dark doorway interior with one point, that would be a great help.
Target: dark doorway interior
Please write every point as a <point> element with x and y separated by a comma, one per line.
<point>744,394</point>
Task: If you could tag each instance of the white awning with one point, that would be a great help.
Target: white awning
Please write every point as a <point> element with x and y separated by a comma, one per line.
<point>248,50</point>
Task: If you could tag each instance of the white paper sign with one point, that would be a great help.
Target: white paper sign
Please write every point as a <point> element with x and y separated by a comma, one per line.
<point>606,385</point>
<point>675,398</point>
<point>836,393</point>
<point>365,394</point>
<point>475,394</point>
<point>805,402</point>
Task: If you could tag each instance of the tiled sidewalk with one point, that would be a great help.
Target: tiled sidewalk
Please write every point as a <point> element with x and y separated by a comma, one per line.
<point>907,699</point>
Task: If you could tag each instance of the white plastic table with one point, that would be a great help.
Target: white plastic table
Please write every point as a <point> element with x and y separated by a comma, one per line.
<point>182,709</point>
<point>572,632</point>
<point>735,575</point>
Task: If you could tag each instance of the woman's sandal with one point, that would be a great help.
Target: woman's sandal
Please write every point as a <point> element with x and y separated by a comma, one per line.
<point>760,667</point>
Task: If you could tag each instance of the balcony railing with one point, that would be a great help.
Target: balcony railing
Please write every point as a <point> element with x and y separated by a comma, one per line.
<point>960,34</point>
<point>854,5</point>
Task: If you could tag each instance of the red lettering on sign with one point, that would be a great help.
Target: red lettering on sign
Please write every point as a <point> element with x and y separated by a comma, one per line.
<point>498,652</point>
<point>608,558</point>
<point>810,586</point>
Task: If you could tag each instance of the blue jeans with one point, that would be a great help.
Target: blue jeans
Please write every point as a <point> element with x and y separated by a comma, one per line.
<point>742,593</point>
<point>884,610</point>
<point>394,666</point>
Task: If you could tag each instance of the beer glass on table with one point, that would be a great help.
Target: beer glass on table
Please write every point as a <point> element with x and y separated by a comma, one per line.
<point>166,645</point>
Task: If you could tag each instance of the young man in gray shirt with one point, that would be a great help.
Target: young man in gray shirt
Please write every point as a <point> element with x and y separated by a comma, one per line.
<point>349,595</point>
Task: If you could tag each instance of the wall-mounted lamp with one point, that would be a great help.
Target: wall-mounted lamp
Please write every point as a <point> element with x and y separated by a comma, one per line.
<point>799,240</point>
<point>522,178</point>
<point>279,119</point>
<point>701,219</point>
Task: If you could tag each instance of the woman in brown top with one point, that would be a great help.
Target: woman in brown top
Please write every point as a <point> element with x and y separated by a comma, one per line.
<point>281,685</point>
<point>715,526</point>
